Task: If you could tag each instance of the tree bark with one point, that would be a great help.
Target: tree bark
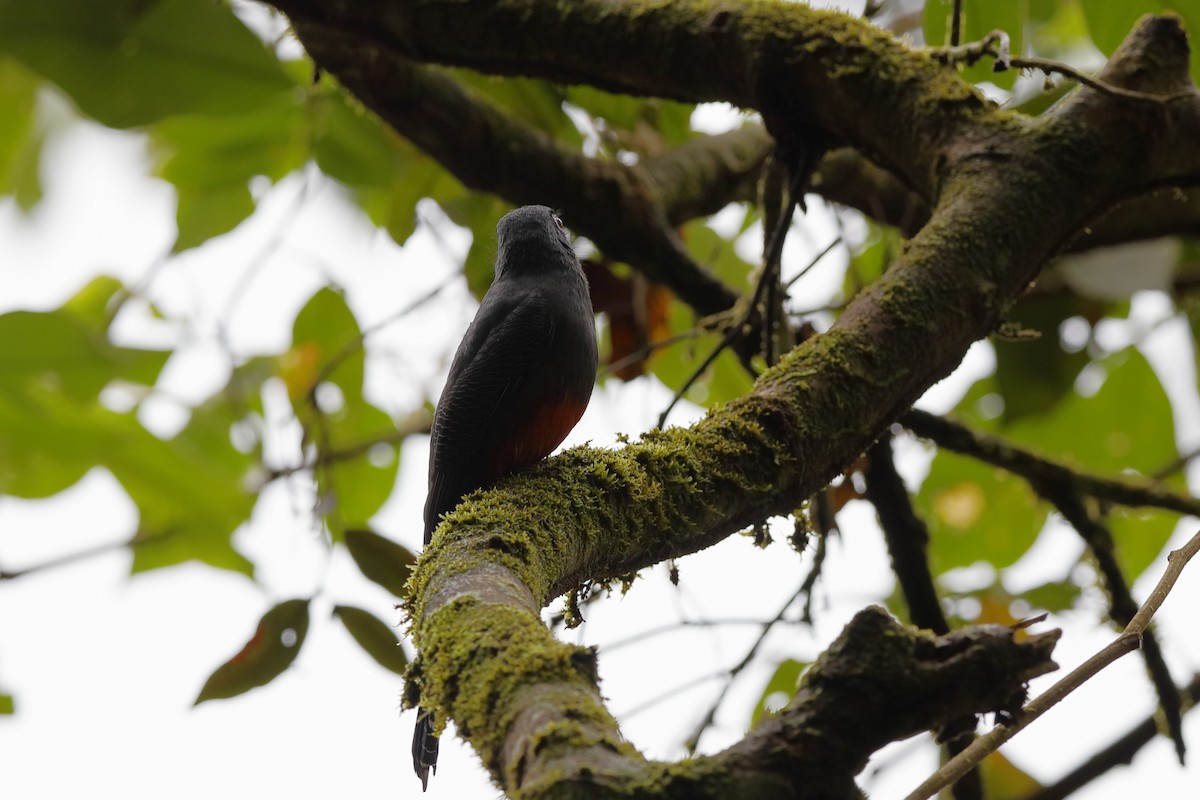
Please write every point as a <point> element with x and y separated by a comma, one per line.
<point>1004,194</point>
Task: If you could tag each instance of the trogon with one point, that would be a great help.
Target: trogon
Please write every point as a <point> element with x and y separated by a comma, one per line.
<point>520,380</point>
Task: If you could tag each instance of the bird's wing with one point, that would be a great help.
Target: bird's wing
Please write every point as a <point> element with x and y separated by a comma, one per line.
<point>499,353</point>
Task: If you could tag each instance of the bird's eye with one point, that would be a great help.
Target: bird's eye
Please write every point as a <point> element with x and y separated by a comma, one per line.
<point>558,221</point>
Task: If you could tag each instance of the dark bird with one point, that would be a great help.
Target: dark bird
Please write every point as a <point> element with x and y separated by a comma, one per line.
<point>520,380</point>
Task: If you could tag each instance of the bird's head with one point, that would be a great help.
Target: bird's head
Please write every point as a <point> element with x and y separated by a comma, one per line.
<point>532,239</point>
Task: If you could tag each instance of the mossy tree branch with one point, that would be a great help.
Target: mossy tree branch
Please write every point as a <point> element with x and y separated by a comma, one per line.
<point>803,69</point>
<point>1006,193</point>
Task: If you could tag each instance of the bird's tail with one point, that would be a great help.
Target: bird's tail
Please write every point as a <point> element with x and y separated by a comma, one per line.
<point>425,747</point>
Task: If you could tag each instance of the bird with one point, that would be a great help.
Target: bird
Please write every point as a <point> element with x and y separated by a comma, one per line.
<point>519,382</point>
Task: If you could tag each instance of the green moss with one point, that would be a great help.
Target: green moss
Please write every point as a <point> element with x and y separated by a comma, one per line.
<point>478,658</point>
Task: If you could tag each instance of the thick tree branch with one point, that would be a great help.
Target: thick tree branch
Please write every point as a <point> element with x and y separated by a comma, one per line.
<point>1012,193</point>
<point>705,174</point>
<point>907,538</point>
<point>846,178</point>
<point>805,70</point>
<point>1006,193</point>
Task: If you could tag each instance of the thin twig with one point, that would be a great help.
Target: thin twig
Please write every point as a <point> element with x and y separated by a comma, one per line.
<point>727,338</point>
<point>650,633</point>
<point>1066,70</point>
<point>1122,606</point>
<point>417,422</point>
<point>732,673</point>
<point>1126,642</point>
<point>1176,464</point>
<point>81,555</point>
<point>995,45</point>
<point>1134,493</point>
<point>674,690</point>
<point>816,260</point>
<point>771,256</point>
<point>649,349</point>
<point>1119,752</point>
<point>355,344</point>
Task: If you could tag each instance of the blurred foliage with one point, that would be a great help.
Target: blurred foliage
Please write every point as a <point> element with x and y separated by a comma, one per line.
<point>224,118</point>
<point>272,649</point>
<point>375,636</point>
<point>381,560</point>
<point>779,689</point>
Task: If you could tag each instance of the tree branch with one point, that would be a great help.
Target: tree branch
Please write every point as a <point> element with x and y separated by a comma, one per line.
<point>1122,606</point>
<point>1006,194</point>
<point>907,538</point>
<point>1119,752</point>
<point>529,704</point>
<point>1127,642</point>
<point>1041,470</point>
<point>803,69</point>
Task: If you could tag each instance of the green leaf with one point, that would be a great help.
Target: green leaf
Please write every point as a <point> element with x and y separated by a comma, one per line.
<point>357,486</point>
<point>871,260</point>
<point>536,103</point>
<point>976,512</point>
<point>1127,425</point>
<point>191,492</point>
<point>718,255</point>
<point>480,213</point>
<point>1140,535</point>
<point>272,649</point>
<point>205,213</point>
<point>381,560</point>
<point>7,705</point>
<point>1004,780</point>
<point>210,159</point>
<point>1053,596</point>
<point>325,330</point>
<point>56,351</point>
<point>1032,374</point>
<point>725,378</point>
<point>194,491</point>
<point>358,456</point>
<point>94,303</point>
<point>131,64</point>
<point>21,137</point>
<point>206,151</point>
<point>374,636</point>
<point>68,349</point>
<point>783,682</point>
<point>619,112</point>
<point>41,454</point>
<point>386,174</point>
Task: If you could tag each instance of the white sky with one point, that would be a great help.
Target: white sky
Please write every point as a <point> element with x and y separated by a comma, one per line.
<point>104,668</point>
